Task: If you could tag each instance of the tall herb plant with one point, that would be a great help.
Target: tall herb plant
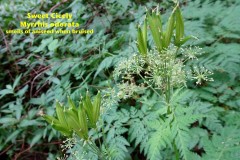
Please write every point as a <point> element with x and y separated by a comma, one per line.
<point>161,68</point>
<point>164,119</point>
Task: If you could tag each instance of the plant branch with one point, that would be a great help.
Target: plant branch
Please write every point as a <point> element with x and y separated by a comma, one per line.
<point>57,5</point>
<point>149,85</point>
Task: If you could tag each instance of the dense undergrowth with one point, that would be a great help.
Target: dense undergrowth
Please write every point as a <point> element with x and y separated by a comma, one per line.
<point>38,69</point>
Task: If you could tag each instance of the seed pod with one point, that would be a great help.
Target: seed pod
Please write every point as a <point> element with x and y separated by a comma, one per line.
<point>73,122</point>
<point>71,104</point>
<point>65,131</point>
<point>169,30</point>
<point>144,34</point>
<point>140,42</point>
<point>57,125</point>
<point>96,105</point>
<point>179,27</point>
<point>82,118</point>
<point>155,25</point>
<point>61,115</point>
<point>142,39</point>
<point>88,107</point>
<point>51,120</point>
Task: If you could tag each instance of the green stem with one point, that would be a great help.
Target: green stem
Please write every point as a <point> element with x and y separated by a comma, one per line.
<point>168,81</point>
<point>168,94</point>
<point>94,147</point>
<point>176,150</point>
<point>104,137</point>
<point>150,85</point>
<point>168,98</point>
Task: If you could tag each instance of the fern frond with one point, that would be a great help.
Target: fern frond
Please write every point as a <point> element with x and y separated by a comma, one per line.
<point>180,132</point>
<point>118,148</point>
<point>225,146</point>
<point>159,140</point>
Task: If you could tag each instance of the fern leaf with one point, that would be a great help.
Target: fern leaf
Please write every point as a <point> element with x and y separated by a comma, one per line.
<point>159,140</point>
<point>225,146</point>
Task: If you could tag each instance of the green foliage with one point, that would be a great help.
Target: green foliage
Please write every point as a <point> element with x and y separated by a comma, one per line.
<point>223,146</point>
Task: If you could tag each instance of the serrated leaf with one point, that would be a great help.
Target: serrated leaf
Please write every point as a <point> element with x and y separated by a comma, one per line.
<point>106,63</point>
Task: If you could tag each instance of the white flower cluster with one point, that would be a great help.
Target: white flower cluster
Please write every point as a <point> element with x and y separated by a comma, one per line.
<point>68,143</point>
<point>109,99</point>
<point>201,74</point>
<point>128,89</point>
<point>155,70</point>
<point>191,53</point>
<point>161,66</point>
<point>133,65</point>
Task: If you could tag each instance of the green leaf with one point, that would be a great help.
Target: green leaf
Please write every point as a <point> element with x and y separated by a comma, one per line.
<point>5,92</point>
<point>53,45</point>
<point>142,39</point>
<point>16,81</point>
<point>56,80</point>
<point>22,91</point>
<point>106,63</point>
<point>144,34</point>
<point>44,43</point>
<point>184,40</point>
<point>9,120</point>
<point>26,123</point>
<point>36,138</point>
<point>13,135</point>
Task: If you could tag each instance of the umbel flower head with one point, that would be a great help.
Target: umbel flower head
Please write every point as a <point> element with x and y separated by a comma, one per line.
<point>154,68</point>
<point>201,74</point>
